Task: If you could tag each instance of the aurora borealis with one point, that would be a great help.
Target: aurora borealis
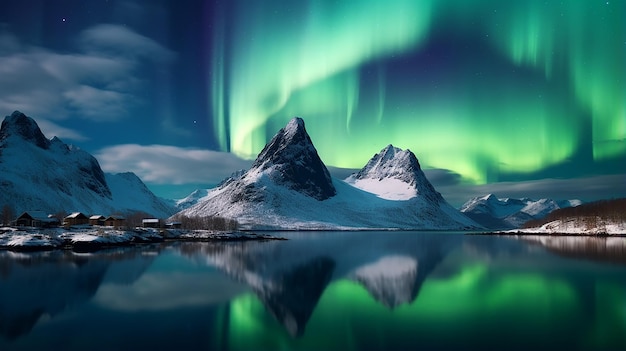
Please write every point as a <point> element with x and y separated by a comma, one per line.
<point>491,96</point>
<point>489,90</point>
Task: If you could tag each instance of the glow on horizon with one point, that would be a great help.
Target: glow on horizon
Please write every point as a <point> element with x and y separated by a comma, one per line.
<point>563,77</point>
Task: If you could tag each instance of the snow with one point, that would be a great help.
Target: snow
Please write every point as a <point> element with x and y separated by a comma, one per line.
<point>39,174</point>
<point>390,192</point>
<point>500,213</point>
<point>350,209</point>
<point>27,238</point>
<point>577,226</point>
<point>388,188</point>
<point>389,266</point>
<point>196,196</point>
<point>34,238</point>
<point>390,279</point>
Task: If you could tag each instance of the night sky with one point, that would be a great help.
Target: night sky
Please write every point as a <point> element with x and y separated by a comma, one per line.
<point>520,98</point>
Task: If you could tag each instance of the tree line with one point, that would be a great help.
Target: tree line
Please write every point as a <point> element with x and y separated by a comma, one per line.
<point>613,210</point>
<point>207,222</point>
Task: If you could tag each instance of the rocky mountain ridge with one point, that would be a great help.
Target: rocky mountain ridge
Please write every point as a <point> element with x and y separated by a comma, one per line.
<point>43,174</point>
<point>289,187</point>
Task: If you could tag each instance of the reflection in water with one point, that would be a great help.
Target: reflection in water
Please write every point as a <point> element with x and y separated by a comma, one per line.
<point>595,248</point>
<point>33,285</point>
<point>297,292</point>
<point>331,291</point>
<point>289,278</point>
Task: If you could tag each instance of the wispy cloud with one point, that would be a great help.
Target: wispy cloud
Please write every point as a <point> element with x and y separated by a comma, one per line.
<point>50,129</point>
<point>120,41</point>
<point>100,80</point>
<point>164,164</point>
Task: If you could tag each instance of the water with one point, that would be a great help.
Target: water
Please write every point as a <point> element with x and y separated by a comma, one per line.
<point>321,291</point>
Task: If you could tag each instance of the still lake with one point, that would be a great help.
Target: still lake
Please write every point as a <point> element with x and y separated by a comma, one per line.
<point>321,291</point>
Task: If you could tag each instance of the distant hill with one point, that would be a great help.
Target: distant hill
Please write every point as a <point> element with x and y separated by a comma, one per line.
<point>594,217</point>
<point>509,213</point>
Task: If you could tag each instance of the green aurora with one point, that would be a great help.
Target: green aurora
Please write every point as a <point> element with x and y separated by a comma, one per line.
<point>524,307</point>
<point>486,89</point>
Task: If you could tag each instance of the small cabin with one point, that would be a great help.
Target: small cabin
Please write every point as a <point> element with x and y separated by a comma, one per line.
<point>76,218</point>
<point>173,225</point>
<point>115,221</point>
<point>150,223</point>
<point>36,219</point>
<point>97,220</point>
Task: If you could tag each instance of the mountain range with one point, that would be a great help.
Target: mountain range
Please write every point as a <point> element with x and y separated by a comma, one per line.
<point>507,213</point>
<point>289,187</point>
<point>37,173</point>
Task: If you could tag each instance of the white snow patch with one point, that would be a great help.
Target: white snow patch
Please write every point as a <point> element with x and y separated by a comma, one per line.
<point>386,188</point>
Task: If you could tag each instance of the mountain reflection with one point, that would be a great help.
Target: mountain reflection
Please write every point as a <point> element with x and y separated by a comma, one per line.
<point>594,248</point>
<point>290,277</point>
<point>34,285</point>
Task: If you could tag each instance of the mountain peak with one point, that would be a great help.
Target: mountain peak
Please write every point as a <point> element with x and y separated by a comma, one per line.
<point>395,165</point>
<point>295,125</point>
<point>293,161</point>
<point>391,162</point>
<point>18,124</point>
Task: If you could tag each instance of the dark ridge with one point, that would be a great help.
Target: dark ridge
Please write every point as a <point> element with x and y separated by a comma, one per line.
<point>296,162</point>
<point>21,125</point>
<point>613,210</point>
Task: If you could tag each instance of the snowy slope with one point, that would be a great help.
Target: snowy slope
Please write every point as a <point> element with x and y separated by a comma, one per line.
<point>495,213</point>
<point>196,196</point>
<point>394,174</point>
<point>48,175</point>
<point>200,195</point>
<point>578,226</point>
<point>130,194</point>
<point>288,187</point>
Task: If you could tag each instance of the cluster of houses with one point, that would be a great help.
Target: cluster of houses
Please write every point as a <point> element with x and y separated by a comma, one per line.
<point>42,220</point>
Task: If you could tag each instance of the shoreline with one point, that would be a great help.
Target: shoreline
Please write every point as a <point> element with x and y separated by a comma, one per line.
<point>588,235</point>
<point>95,239</point>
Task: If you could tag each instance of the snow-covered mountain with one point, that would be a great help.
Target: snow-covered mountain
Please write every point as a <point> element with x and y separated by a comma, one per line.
<point>130,194</point>
<point>394,174</point>
<point>289,187</point>
<point>192,199</point>
<point>41,174</point>
<point>506,213</point>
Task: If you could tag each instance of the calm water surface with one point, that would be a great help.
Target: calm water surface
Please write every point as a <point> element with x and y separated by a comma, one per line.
<point>321,291</point>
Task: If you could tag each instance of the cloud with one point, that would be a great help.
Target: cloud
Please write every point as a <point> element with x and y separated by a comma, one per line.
<point>121,41</point>
<point>163,164</point>
<point>158,291</point>
<point>442,177</point>
<point>50,129</point>
<point>98,104</point>
<point>100,80</point>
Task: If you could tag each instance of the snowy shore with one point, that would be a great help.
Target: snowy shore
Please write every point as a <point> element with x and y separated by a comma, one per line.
<point>91,239</point>
<point>574,226</point>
